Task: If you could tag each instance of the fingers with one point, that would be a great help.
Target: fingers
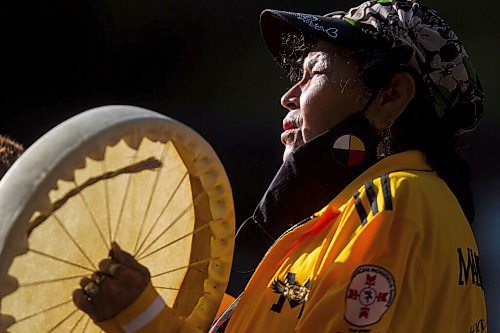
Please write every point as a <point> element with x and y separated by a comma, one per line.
<point>125,258</point>
<point>84,281</point>
<point>124,277</point>
<point>99,277</point>
<point>105,264</point>
<point>84,303</point>
<point>107,292</point>
<point>109,297</point>
<point>105,300</point>
<point>112,268</point>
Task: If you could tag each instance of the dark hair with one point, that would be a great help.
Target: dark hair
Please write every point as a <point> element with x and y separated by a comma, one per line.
<point>418,127</point>
<point>296,46</point>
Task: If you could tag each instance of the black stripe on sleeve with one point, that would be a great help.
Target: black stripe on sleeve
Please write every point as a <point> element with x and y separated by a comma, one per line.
<point>372,196</point>
<point>360,209</point>
<point>386,189</point>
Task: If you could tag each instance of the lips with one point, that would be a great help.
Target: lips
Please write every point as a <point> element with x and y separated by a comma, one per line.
<point>289,124</point>
<point>291,127</point>
<point>292,120</point>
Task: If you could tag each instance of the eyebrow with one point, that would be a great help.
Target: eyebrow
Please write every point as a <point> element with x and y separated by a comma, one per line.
<point>310,62</point>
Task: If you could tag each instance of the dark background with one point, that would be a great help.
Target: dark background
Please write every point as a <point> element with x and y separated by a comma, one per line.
<point>203,63</point>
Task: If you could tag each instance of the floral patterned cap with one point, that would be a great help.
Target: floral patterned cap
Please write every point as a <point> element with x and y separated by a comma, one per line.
<point>422,39</point>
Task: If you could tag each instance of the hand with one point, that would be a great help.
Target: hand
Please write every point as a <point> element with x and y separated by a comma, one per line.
<point>118,283</point>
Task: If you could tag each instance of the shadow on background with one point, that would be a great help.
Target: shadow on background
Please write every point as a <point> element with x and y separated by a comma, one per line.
<point>204,63</point>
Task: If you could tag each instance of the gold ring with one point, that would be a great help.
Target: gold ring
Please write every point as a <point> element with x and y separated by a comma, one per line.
<point>113,268</point>
<point>91,289</point>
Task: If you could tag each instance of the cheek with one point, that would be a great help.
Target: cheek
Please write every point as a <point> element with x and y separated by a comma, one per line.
<point>318,109</point>
<point>310,116</point>
<point>313,95</point>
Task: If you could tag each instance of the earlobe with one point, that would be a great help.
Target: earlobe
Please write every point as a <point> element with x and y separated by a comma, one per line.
<point>392,100</point>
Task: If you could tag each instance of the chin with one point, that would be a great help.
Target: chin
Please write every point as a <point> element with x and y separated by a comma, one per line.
<point>288,151</point>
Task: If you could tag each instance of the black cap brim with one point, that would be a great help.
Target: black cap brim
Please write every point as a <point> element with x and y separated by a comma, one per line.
<point>274,24</point>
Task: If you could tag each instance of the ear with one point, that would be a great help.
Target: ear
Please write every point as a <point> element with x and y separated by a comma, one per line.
<point>391,101</point>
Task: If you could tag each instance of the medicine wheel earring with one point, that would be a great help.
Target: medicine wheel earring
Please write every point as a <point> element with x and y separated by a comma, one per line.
<point>349,150</point>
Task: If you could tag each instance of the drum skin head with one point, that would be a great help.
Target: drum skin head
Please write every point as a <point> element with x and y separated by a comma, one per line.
<point>114,173</point>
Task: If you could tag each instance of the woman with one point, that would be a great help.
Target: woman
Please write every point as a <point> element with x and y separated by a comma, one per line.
<point>381,93</point>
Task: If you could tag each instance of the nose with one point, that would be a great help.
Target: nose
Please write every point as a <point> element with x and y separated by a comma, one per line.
<point>291,98</point>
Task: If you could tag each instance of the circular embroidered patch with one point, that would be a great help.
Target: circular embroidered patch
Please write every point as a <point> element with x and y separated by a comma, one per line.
<point>349,150</point>
<point>369,294</point>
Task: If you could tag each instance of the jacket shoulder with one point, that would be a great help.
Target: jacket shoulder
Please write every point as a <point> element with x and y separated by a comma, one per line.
<point>404,194</point>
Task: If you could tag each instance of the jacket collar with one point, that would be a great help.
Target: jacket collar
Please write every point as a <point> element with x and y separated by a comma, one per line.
<point>315,173</point>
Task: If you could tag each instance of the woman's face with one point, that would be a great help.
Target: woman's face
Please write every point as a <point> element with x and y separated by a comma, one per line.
<point>328,92</point>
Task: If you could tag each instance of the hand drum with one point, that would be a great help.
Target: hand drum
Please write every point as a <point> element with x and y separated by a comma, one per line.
<point>114,173</point>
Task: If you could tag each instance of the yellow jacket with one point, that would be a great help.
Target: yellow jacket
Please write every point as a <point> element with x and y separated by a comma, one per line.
<point>393,252</point>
